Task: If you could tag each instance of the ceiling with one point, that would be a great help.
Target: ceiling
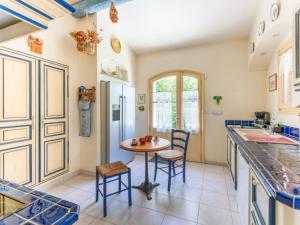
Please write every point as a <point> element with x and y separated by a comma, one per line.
<point>153,25</point>
<point>7,20</point>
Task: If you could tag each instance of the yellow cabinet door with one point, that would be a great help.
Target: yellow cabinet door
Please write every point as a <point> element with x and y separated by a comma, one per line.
<point>53,120</point>
<point>18,118</point>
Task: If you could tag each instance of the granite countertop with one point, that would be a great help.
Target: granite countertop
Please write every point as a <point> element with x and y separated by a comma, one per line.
<point>40,207</point>
<point>277,164</point>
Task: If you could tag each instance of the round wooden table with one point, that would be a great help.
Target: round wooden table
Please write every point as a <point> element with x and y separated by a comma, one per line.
<point>162,144</point>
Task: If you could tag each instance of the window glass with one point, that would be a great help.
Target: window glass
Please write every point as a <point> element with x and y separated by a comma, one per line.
<point>164,103</point>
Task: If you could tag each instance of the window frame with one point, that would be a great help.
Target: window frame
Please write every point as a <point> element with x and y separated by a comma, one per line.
<point>284,108</point>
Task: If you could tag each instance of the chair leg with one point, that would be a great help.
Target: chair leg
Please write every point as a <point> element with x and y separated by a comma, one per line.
<point>169,175</point>
<point>120,184</point>
<point>97,185</point>
<point>104,198</point>
<point>173,165</point>
<point>129,187</point>
<point>155,169</point>
<point>183,173</point>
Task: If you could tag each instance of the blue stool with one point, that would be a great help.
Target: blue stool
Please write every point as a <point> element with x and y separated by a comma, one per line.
<point>112,170</point>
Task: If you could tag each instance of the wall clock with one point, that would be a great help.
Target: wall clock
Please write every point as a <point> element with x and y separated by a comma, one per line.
<point>261,27</point>
<point>274,11</point>
<point>116,45</point>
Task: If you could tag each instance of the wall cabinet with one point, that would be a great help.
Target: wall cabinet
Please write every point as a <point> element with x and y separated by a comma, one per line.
<point>33,118</point>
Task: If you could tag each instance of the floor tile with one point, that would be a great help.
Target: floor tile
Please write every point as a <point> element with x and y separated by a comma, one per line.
<point>85,219</point>
<point>183,209</point>
<point>119,212</point>
<point>209,215</point>
<point>189,193</point>
<point>159,202</point>
<point>215,186</point>
<point>215,199</point>
<point>170,220</point>
<point>144,216</point>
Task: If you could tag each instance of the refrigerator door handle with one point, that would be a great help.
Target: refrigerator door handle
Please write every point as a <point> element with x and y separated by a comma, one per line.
<point>124,117</point>
<point>121,119</point>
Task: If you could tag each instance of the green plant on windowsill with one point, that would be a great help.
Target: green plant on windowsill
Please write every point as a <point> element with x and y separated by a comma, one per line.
<point>217,99</point>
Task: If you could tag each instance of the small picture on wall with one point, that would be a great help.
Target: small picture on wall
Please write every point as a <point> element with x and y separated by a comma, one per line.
<point>273,82</point>
<point>141,99</point>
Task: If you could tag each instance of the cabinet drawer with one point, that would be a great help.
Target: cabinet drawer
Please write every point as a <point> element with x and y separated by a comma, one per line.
<point>262,203</point>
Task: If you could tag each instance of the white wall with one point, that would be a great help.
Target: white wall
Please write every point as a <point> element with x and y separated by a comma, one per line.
<point>226,68</point>
<point>272,97</point>
<point>285,18</point>
<point>90,70</point>
<point>59,47</point>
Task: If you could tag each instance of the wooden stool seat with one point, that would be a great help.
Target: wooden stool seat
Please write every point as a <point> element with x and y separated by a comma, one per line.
<point>112,172</point>
<point>112,169</point>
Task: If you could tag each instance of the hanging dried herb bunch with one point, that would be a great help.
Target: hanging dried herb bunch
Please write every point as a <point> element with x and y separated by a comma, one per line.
<point>113,12</point>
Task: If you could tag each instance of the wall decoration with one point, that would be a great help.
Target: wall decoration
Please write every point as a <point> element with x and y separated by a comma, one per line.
<point>112,67</point>
<point>261,27</point>
<point>113,12</point>
<point>35,44</point>
<point>141,108</point>
<point>217,99</point>
<point>141,99</point>
<point>274,11</point>
<point>116,45</point>
<point>86,41</point>
<point>87,94</point>
<point>273,82</point>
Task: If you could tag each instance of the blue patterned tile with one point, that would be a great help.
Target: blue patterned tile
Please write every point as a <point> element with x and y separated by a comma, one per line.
<point>245,123</point>
<point>12,184</point>
<point>11,220</point>
<point>230,122</point>
<point>74,207</point>
<point>52,198</point>
<point>68,219</point>
<point>34,209</point>
<point>237,122</point>
<point>16,193</point>
<point>24,189</point>
<point>38,193</point>
<point>28,198</point>
<point>51,215</point>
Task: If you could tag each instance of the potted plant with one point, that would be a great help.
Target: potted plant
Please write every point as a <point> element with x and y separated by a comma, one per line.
<point>86,41</point>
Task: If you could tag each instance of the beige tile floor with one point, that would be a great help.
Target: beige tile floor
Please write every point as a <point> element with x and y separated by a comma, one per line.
<point>207,198</point>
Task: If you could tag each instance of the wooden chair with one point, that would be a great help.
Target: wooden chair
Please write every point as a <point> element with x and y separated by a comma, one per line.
<point>179,140</point>
<point>112,170</point>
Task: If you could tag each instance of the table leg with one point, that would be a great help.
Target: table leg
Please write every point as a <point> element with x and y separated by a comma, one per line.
<point>147,186</point>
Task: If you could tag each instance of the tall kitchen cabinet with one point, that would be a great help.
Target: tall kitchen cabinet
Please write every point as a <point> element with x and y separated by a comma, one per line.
<point>33,118</point>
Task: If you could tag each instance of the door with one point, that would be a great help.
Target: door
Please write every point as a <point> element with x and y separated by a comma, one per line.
<point>177,102</point>
<point>53,120</point>
<point>17,118</point>
<point>128,119</point>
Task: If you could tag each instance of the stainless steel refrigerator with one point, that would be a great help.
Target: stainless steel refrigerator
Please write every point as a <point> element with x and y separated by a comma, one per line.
<point>117,111</point>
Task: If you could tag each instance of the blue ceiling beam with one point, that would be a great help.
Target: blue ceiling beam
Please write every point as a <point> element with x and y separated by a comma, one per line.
<point>85,7</point>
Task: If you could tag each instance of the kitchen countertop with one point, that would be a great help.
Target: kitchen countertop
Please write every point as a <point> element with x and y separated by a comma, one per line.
<point>40,207</point>
<point>277,164</point>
